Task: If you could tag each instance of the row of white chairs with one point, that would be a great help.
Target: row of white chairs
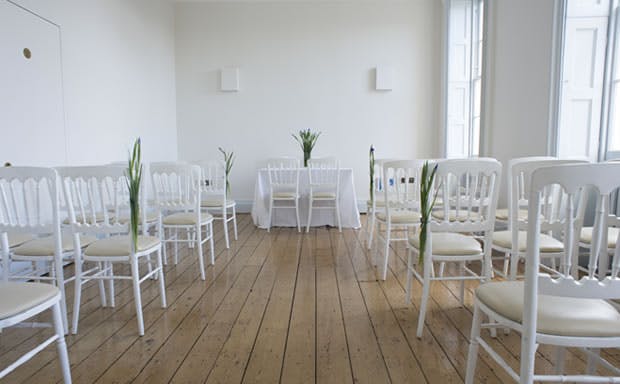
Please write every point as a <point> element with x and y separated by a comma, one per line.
<point>324,183</point>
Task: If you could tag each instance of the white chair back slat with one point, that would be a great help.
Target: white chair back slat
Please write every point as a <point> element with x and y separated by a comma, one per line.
<point>602,180</point>
<point>212,179</point>
<point>401,189</point>
<point>283,174</point>
<point>324,173</point>
<point>176,186</point>
<point>87,190</point>
<point>469,190</point>
<point>29,200</point>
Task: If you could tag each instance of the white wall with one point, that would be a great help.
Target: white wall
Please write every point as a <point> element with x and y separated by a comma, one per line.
<point>519,49</point>
<point>119,77</point>
<point>308,65</point>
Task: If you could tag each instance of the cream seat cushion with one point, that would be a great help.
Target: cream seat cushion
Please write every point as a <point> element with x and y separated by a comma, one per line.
<point>285,195</point>
<point>186,218</point>
<point>378,202</point>
<point>16,239</point>
<point>612,236</point>
<point>502,214</point>
<point>562,316</point>
<point>323,195</point>
<point>401,217</point>
<point>20,297</point>
<point>99,217</point>
<point>214,203</point>
<point>452,216</point>
<point>450,244</point>
<point>547,243</point>
<point>119,246</point>
<point>150,218</point>
<point>45,245</point>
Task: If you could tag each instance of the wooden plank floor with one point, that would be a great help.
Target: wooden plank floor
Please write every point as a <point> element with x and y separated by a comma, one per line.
<point>276,307</point>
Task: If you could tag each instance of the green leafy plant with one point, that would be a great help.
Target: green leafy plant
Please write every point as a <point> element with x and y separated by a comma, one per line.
<point>229,161</point>
<point>371,158</point>
<point>134,180</point>
<point>306,140</point>
<point>427,179</point>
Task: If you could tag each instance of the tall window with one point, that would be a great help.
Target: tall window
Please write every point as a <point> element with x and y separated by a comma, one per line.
<point>589,89</point>
<point>464,76</point>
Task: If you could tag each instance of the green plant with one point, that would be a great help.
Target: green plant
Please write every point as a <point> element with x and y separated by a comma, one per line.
<point>134,180</point>
<point>306,140</point>
<point>427,181</point>
<point>229,160</point>
<point>371,157</point>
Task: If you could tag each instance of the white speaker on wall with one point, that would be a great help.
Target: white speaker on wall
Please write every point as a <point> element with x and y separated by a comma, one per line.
<point>229,80</point>
<point>384,76</point>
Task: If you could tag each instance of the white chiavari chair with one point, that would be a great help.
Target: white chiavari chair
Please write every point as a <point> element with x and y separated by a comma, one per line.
<point>324,182</point>
<point>178,197</point>
<point>283,186</point>
<point>21,301</point>
<point>401,192</point>
<point>470,188</point>
<point>513,241</point>
<point>214,196</point>
<point>85,191</point>
<point>376,202</point>
<point>558,309</point>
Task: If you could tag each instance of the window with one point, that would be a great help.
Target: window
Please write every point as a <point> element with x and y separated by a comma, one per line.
<point>464,58</point>
<point>589,82</point>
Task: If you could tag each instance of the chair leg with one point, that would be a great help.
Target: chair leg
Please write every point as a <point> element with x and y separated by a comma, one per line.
<point>297,215</point>
<point>371,230</point>
<point>506,264</point>
<point>101,284</point>
<point>211,247</point>
<point>409,275</point>
<point>462,293</point>
<point>78,294</point>
<point>309,215</point>
<point>560,359</point>
<point>110,273</point>
<point>135,278</point>
<point>387,250</point>
<point>61,344</point>
<point>162,285</point>
<point>426,287</point>
<point>162,239</point>
<point>225,222</point>
<point>472,356</point>
<point>234,217</point>
<point>592,362</point>
<point>176,246</point>
<point>60,283</point>
<point>338,216</point>
<point>270,214</point>
<point>201,260</point>
<point>514,265</point>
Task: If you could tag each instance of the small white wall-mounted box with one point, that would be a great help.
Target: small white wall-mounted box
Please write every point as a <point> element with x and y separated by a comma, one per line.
<point>384,76</point>
<point>229,80</point>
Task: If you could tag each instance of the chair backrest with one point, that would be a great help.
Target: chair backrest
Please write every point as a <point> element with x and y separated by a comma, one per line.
<point>401,189</point>
<point>519,182</point>
<point>29,200</point>
<point>212,179</point>
<point>469,189</point>
<point>602,179</point>
<point>324,173</point>
<point>283,174</point>
<point>96,198</point>
<point>378,185</point>
<point>176,186</point>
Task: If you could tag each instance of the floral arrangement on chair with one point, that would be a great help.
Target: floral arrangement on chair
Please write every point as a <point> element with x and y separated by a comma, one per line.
<point>306,139</point>
<point>134,180</point>
<point>229,160</point>
<point>371,158</point>
<point>427,180</point>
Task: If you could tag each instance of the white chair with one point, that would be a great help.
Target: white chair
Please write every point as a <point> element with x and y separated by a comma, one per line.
<point>84,190</point>
<point>214,199</point>
<point>470,189</point>
<point>324,182</point>
<point>30,206</point>
<point>376,202</point>
<point>401,191</point>
<point>283,186</point>
<point>512,242</point>
<point>557,310</point>
<point>178,197</point>
<point>21,301</point>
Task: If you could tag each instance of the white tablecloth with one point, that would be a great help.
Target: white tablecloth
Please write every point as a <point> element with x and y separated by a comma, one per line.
<point>349,214</point>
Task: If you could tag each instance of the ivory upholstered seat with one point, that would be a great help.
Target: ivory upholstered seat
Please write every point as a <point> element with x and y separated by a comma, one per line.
<point>183,218</point>
<point>547,243</point>
<point>401,217</point>
<point>450,244</point>
<point>324,195</point>
<point>503,214</point>
<point>45,246</point>
<point>212,203</point>
<point>452,215</point>
<point>16,239</point>
<point>19,297</point>
<point>120,246</point>
<point>378,202</point>
<point>151,217</point>
<point>612,236</point>
<point>563,316</point>
<point>285,195</point>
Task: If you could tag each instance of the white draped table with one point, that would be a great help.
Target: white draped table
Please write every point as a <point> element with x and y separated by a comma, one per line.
<point>349,214</point>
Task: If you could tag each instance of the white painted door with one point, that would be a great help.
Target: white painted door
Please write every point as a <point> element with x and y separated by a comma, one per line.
<point>31,101</point>
<point>582,86</point>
